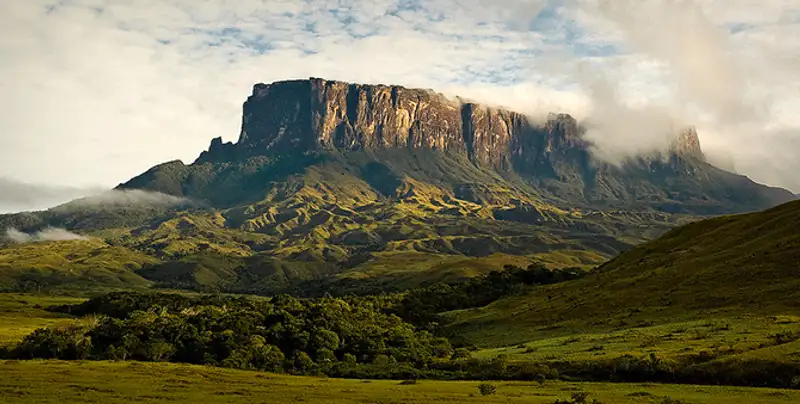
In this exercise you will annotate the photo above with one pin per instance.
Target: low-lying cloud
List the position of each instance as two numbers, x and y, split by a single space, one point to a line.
47 234
130 197
16 196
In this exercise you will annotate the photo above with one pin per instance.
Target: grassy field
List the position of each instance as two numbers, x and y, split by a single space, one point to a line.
43 382
20 314
725 338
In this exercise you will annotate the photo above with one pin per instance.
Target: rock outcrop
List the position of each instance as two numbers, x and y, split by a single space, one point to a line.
314 114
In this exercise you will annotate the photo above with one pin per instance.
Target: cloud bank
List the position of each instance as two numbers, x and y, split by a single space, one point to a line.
18 196
47 234
97 91
129 197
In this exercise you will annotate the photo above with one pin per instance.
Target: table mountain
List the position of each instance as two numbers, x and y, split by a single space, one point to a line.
400 186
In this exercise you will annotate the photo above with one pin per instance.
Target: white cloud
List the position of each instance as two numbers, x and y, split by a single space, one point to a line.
17 196
126 197
97 91
47 234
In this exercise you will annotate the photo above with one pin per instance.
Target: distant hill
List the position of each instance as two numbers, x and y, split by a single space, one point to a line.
738 265
331 179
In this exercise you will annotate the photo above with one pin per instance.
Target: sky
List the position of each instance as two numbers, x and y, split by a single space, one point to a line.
94 92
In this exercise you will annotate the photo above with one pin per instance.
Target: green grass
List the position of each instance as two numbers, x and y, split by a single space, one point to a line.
44 382
725 338
20 314
77 265
744 265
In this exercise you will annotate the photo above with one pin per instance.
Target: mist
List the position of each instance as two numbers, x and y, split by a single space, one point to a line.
21 197
47 234
128 197
677 65
18 196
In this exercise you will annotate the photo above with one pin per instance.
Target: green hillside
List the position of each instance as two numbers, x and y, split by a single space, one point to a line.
743 265
406 218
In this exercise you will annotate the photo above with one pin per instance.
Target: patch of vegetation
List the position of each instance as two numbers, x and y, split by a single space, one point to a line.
21 314
331 336
52 382
487 389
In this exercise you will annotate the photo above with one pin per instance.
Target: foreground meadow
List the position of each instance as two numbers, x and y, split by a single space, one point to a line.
43 382
50 381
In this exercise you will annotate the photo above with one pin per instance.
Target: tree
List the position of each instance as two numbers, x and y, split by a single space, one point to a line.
302 362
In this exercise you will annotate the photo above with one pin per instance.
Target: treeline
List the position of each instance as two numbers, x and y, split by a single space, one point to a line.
421 306
281 334
489 287
702 369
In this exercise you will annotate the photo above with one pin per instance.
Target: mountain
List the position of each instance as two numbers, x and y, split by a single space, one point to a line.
389 184
740 265
294 119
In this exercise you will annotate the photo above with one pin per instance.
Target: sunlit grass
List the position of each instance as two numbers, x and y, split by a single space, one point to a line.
20 314
725 337
43 382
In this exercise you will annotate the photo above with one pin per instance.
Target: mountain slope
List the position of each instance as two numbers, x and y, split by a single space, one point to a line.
742 265
328 178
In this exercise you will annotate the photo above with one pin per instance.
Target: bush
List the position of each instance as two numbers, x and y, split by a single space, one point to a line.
487 389
461 353
48 343
579 397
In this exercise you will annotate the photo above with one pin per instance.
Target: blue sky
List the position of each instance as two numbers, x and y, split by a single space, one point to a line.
125 85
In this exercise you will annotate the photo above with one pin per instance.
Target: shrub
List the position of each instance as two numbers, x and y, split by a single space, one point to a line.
301 362
487 389
579 397
48 343
462 353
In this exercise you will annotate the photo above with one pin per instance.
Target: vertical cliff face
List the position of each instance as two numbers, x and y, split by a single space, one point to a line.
351 116
317 114
687 143
277 117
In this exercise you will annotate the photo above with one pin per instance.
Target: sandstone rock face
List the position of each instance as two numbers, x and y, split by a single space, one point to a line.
319 114
688 143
